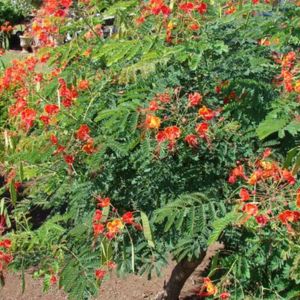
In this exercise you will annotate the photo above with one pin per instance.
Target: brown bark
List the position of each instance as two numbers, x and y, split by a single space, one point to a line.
184 269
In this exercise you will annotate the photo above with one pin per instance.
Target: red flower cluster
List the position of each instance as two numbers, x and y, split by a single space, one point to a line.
110 228
5 257
50 111
83 135
68 95
270 185
289 71
6 27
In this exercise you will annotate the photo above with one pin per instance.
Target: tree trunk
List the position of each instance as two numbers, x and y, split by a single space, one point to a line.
184 269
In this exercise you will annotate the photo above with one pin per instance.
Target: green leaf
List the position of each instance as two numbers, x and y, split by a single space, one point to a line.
220 224
147 230
270 126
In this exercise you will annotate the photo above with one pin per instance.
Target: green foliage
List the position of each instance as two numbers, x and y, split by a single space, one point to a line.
179 196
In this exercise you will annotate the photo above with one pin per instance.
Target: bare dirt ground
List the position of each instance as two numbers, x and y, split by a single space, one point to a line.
131 287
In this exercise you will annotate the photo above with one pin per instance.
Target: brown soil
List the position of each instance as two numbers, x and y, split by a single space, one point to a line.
132 287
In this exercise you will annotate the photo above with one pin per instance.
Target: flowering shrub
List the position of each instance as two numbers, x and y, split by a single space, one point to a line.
117 153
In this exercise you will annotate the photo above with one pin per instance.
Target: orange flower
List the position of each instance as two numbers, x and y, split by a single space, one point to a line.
152 122
250 209
297 87
114 226
208 288
83 85
298 198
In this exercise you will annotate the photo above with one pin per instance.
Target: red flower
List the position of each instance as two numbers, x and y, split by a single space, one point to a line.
192 140
28 116
98 228
267 153
128 218
82 133
237 172
53 139
65 3
53 279
195 98
244 194
202 129
202 8
51 109
103 202
153 105
45 120
289 216
187 7
225 296
69 159
97 215
288 176
262 220
5 243
194 26
100 274
60 149
161 137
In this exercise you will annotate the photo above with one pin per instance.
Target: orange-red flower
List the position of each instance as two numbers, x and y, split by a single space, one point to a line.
202 129
97 215
69 159
250 209
83 85
172 132
244 194
28 116
192 140
89 147
103 202
206 113
98 229
237 172
5 243
298 198
51 109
